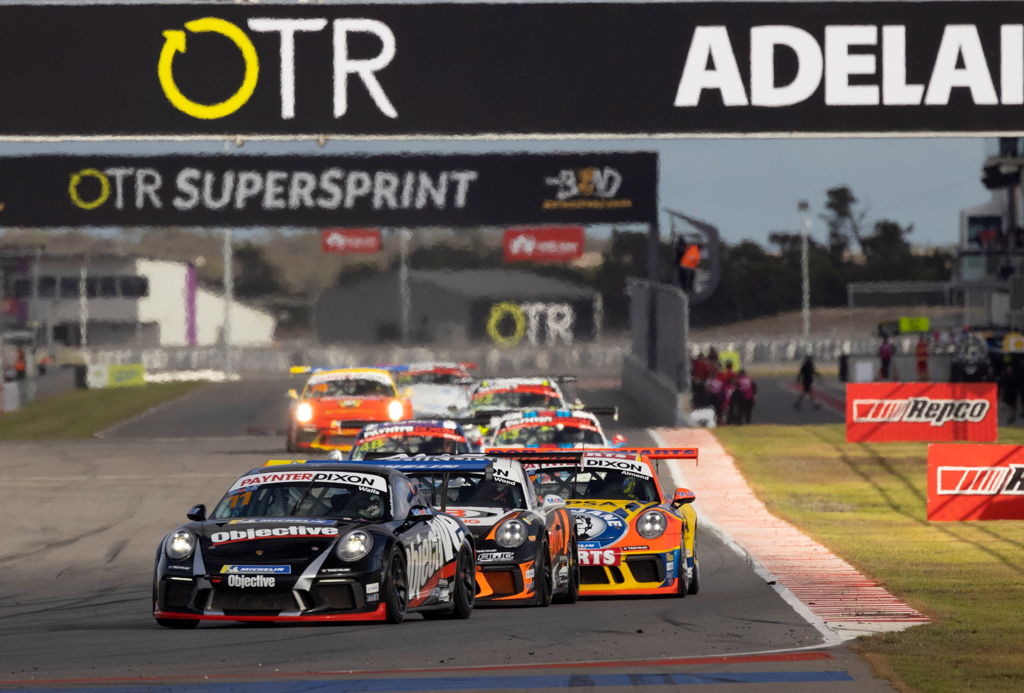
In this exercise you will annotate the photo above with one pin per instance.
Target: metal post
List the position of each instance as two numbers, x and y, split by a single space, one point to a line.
229 291
404 293
83 306
805 275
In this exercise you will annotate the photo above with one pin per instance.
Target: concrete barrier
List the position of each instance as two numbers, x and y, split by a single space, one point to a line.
654 394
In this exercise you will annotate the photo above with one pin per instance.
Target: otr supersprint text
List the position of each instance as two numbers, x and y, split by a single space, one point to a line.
364 69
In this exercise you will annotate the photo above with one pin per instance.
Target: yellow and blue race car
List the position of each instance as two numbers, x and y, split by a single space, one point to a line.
633 539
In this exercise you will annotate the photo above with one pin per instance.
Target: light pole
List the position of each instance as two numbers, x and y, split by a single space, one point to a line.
805 275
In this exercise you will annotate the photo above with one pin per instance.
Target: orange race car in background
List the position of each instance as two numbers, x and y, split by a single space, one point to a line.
335 404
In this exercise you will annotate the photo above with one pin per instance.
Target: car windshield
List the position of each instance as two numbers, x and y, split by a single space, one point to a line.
512 399
333 501
472 490
431 378
408 445
574 483
348 387
549 434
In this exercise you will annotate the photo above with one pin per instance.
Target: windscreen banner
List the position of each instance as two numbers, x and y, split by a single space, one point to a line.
975 482
928 412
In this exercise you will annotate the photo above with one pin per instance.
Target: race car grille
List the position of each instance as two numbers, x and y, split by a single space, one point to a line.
241 600
177 593
334 595
593 575
646 568
502 581
305 437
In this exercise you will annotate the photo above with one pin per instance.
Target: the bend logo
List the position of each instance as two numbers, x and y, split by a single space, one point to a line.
936 412
364 69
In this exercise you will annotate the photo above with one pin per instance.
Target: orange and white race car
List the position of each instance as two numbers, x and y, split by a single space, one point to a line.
633 539
335 404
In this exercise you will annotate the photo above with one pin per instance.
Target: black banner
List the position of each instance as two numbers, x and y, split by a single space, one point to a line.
387 190
478 69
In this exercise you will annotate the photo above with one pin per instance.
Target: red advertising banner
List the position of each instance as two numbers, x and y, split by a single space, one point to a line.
975 482
928 412
545 244
345 241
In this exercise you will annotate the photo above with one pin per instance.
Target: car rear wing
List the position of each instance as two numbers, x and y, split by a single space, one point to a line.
562 457
432 463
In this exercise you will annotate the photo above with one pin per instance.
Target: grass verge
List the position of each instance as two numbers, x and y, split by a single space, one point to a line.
83 413
867 502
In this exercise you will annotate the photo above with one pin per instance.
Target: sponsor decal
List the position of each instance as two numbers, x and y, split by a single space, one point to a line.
600 557
347 241
290 532
494 557
598 526
508 323
587 187
432 551
362 479
334 571
635 548
173 566
878 412
551 244
277 521
244 581
372 587
630 467
256 569
975 482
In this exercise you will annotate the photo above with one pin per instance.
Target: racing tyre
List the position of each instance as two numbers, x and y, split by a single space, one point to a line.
543 580
464 592
572 591
396 587
178 623
683 586
695 578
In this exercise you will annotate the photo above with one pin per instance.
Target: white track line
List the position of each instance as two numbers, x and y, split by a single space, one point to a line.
825 590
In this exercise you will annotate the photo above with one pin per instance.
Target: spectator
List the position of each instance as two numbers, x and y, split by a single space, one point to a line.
698 377
921 355
713 391
885 353
20 364
746 393
805 376
728 380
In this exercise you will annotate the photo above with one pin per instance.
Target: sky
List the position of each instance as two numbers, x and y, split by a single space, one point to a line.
747 188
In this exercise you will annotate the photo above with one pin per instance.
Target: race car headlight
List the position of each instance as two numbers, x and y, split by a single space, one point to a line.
395 410
354 545
304 412
510 534
180 545
651 524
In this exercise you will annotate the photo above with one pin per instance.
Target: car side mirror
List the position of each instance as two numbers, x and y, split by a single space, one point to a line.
619 439
682 497
420 513
293 394
197 513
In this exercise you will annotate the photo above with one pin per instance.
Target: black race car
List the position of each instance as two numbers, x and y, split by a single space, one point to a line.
315 541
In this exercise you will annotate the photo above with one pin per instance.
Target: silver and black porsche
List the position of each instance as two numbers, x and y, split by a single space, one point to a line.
315 541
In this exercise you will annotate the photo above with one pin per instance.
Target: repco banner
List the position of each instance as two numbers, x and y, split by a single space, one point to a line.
517 69
350 241
889 412
975 482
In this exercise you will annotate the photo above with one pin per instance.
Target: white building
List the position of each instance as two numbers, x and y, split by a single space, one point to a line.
127 301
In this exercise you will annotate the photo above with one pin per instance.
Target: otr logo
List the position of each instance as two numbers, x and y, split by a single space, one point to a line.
365 69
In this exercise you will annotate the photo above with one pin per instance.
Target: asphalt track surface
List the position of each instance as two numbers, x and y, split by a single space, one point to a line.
82 521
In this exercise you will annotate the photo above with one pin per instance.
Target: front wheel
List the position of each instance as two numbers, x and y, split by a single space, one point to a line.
695 578
543 584
464 593
683 582
396 588
572 590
